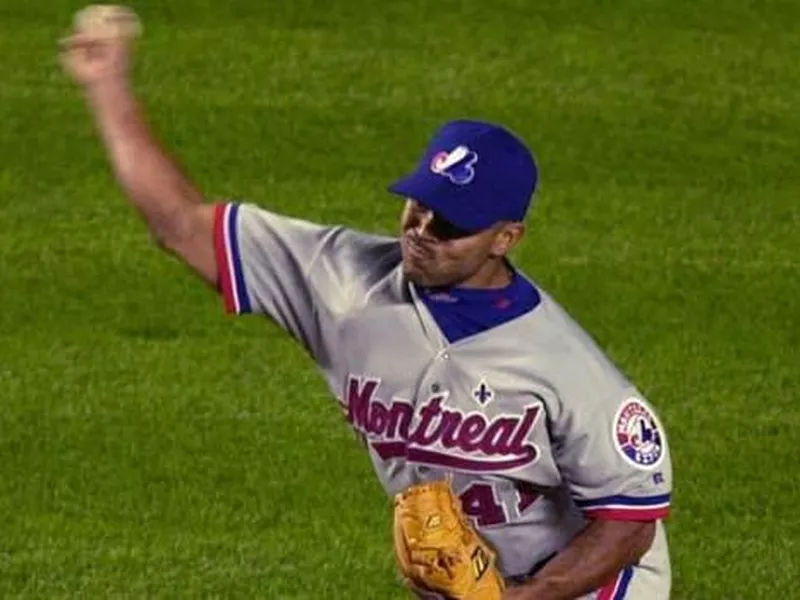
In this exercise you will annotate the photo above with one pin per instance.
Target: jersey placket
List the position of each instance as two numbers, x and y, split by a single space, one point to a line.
429 384
433 380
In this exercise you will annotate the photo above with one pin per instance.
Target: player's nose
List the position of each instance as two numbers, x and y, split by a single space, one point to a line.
424 222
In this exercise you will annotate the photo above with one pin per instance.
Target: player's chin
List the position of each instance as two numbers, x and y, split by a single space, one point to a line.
413 273
416 273
419 275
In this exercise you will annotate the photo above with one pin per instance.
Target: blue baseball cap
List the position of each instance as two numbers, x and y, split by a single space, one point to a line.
474 174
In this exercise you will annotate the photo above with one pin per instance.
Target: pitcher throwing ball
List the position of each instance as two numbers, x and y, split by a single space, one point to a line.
523 464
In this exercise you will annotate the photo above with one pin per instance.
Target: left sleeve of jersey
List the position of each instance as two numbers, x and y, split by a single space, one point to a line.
616 461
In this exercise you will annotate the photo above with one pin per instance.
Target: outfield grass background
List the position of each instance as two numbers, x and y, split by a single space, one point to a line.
152 446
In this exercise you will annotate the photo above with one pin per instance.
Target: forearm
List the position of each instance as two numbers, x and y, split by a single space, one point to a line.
151 179
591 560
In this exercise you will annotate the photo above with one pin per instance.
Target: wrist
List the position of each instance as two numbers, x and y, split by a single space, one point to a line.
108 89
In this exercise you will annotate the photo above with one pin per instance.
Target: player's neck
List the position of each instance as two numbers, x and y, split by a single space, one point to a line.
494 274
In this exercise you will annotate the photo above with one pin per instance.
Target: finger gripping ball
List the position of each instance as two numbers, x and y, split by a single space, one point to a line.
108 21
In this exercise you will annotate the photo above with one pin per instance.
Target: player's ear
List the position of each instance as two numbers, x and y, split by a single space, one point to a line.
507 236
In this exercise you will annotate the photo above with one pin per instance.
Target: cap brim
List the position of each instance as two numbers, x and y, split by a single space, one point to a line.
434 195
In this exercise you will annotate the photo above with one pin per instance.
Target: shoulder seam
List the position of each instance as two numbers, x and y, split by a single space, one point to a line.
334 230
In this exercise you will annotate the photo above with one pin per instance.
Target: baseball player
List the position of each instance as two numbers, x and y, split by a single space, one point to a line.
484 408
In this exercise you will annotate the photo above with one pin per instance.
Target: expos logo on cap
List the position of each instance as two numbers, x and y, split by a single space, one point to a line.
458 165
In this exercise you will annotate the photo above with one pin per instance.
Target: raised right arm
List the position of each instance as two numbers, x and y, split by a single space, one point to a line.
174 209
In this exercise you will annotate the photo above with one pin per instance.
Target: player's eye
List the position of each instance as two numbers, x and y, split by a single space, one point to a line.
444 230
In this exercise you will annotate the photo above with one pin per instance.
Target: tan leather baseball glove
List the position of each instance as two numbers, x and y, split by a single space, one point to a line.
438 549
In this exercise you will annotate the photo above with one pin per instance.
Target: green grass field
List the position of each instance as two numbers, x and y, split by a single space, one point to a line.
151 446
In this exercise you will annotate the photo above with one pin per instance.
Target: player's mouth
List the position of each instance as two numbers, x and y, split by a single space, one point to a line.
416 248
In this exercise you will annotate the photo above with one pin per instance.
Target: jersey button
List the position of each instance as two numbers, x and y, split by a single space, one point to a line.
445 356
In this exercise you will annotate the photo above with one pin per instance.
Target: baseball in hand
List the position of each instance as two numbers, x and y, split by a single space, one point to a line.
108 21
100 47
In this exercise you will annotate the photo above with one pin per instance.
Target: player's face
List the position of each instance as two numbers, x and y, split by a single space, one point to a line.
436 253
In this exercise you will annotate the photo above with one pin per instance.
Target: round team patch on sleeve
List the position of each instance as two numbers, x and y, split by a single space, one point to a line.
638 435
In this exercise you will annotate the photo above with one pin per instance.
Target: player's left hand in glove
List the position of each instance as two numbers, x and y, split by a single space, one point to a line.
438 549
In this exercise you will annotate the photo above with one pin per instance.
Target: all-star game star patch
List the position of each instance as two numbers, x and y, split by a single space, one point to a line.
638 434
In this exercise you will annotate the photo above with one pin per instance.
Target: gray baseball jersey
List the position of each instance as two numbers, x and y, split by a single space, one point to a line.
539 429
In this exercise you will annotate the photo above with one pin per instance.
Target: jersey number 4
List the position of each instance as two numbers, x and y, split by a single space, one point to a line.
480 502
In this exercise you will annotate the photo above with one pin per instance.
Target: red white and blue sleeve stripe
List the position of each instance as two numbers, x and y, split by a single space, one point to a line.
229 260
617 589
626 508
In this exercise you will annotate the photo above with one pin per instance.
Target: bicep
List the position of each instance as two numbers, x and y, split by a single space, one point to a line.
632 538
265 266
194 241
